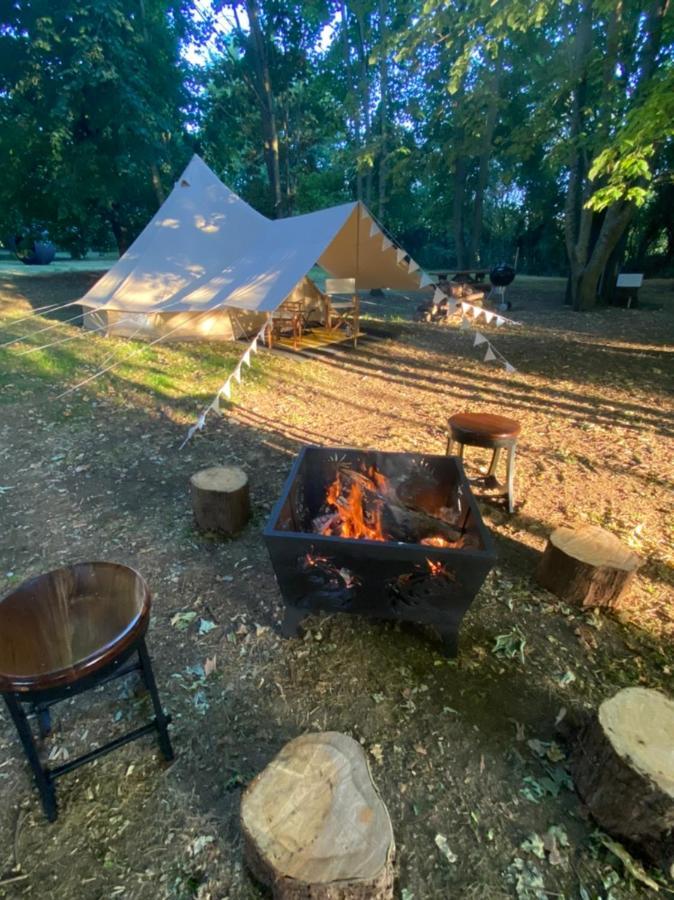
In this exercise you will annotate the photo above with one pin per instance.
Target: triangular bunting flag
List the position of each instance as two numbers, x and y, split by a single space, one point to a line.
374 229
488 316
226 389
253 346
499 321
386 243
364 214
489 355
465 324
237 373
400 255
246 357
201 421
438 295
452 305
412 266
479 339
425 280
477 311
215 405
510 369
465 307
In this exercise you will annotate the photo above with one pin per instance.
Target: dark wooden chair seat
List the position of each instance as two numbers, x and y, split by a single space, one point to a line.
493 433
59 627
66 632
483 429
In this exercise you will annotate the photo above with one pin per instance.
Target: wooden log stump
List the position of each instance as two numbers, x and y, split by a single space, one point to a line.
588 566
220 499
623 767
314 825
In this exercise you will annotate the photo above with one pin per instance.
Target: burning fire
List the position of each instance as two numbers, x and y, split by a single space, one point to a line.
354 521
435 540
437 568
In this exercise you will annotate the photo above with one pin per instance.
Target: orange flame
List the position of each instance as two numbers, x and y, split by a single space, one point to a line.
437 568
435 540
354 520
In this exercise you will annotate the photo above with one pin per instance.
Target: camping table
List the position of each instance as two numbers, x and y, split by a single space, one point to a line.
461 276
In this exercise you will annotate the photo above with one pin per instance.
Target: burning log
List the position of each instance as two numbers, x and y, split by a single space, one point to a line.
368 505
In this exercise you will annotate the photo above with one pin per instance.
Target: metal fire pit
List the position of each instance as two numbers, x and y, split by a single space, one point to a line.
387 579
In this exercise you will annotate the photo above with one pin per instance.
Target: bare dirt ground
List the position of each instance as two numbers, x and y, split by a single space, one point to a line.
464 748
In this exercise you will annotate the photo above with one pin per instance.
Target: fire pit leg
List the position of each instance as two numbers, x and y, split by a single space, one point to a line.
290 626
450 642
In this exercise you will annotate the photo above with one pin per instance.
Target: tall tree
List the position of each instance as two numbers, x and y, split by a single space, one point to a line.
90 113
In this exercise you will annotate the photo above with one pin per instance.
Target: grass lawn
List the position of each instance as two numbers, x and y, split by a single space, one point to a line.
464 748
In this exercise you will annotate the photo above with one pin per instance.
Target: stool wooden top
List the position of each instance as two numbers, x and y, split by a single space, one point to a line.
61 626
483 426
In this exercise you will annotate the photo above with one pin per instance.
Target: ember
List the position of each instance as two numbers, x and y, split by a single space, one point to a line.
435 540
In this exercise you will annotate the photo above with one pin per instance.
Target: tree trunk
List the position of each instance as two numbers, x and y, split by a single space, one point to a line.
154 168
365 101
615 222
383 109
483 168
267 107
119 229
353 101
458 212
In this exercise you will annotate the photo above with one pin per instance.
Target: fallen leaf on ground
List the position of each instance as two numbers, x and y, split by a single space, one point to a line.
443 847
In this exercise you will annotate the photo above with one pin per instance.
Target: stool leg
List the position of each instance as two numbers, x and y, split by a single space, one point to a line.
494 462
160 716
511 478
44 783
450 444
461 447
44 720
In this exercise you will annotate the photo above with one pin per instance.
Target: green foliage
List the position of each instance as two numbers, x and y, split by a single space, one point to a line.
459 124
90 100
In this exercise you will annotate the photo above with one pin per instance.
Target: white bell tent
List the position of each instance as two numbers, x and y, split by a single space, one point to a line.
208 266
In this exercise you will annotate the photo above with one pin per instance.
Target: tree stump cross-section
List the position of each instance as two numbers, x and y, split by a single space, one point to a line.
314 825
587 566
623 768
220 499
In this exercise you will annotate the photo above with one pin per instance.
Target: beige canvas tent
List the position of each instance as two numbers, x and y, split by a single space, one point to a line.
209 266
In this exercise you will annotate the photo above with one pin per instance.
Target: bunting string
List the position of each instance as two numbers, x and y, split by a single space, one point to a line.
491 353
225 389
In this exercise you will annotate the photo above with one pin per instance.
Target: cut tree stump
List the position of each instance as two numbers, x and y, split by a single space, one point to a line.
314 825
623 767
588 566
220 499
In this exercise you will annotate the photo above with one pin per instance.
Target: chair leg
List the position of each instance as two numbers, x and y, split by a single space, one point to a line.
160 716
44 783
511 478
494 462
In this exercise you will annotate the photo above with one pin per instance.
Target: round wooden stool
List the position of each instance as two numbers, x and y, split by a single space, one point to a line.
63 633
493 432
